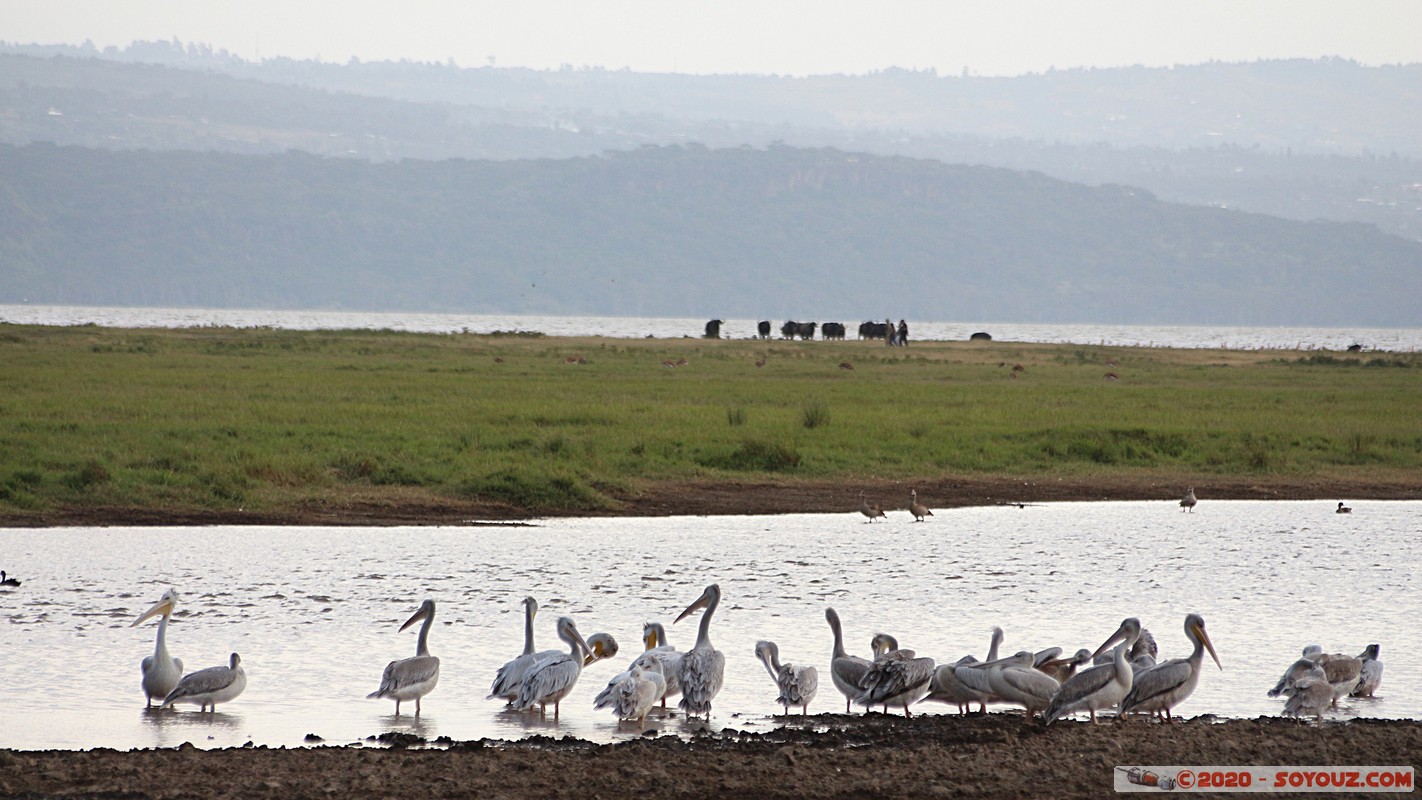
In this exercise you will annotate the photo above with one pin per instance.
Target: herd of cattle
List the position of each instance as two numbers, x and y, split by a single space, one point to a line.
829 330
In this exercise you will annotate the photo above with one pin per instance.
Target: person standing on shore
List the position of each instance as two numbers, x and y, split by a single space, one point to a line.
889 336
903 333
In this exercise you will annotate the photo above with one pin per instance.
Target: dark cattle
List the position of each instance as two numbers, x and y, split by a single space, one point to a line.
832 330
873 330
980 337
806 330
787 331
764 329
713 329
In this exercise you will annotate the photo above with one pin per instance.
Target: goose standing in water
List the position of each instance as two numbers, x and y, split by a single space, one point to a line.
412 678
870 511
551 679
845 670
919 510
510 676
1165 685
161 671
208 687
1187 503
703 667
797 684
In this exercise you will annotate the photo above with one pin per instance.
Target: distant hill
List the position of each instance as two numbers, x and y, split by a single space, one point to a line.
780 232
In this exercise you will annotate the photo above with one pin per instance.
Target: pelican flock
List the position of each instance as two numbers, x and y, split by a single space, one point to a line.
161 671
411 678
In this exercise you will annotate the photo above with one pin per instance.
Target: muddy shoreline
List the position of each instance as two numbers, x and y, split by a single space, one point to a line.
829 756
708 498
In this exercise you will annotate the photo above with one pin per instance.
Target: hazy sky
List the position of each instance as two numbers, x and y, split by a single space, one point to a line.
788 37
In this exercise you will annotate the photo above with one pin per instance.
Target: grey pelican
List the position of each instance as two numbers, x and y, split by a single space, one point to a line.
919 510
895 678
1372 671
947 688
1102 686
1342 509
797 684
510 676
1062 669
1343 672
1017 681
636 693
845 670
1285 684
869 511
14 583
600 646
1311 690
658 656
703 667
414 677
160 670
973 676
1187 503
551 679
1166 684
208 687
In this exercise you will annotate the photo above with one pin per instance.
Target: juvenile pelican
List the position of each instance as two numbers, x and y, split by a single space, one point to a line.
895 678
1062 669
1167 684
160 670
1016 681
510 676
947 688
551 679
414 677
797 684
703 666
636 693
869 511
1311 690
1187 503
1371 676
1099 687
14 583
845 670
1343 672
658 656
208 687
919 510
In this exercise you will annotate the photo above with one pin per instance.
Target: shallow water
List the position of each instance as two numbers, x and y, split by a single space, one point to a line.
314 611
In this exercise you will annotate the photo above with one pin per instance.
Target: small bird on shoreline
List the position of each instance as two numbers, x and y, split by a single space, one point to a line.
1187 503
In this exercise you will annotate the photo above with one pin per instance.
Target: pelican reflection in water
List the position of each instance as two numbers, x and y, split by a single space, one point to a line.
414 677
161 671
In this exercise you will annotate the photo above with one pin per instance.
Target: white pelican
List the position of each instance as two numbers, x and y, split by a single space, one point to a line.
208 687
1102 686
15 583
1311 690
797 684
703 667
845 670
947 688
635 694
1165 685
973 676
1061 669
414 677
869 511
1371 676
658 656
895 678
1187 503
160 670
600 646
510 676
919 510
1017 681
1342 509
551 679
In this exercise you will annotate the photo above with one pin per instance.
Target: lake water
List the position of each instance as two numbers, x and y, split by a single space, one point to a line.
314 611
1239 338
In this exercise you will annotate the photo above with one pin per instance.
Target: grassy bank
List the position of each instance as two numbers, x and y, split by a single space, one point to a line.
267 420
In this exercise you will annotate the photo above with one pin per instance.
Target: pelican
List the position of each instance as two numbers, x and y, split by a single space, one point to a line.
1342 509
638 692
600 646
919 510
1343 672
1061 669
1371 676
414 677
895 678
551 679
1099 687
869 511
15 583
208 687
510 676
845 670
1187 503
1166 684
1311 691
797 684
973 676
1285 684
160 670
947 688
658 656
703 667
1016 681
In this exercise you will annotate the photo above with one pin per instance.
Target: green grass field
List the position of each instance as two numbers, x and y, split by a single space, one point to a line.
218 418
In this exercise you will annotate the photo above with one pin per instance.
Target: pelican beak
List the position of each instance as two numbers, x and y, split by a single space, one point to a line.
163 606
1118 636
701 602
416 617
1205 637
588 656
